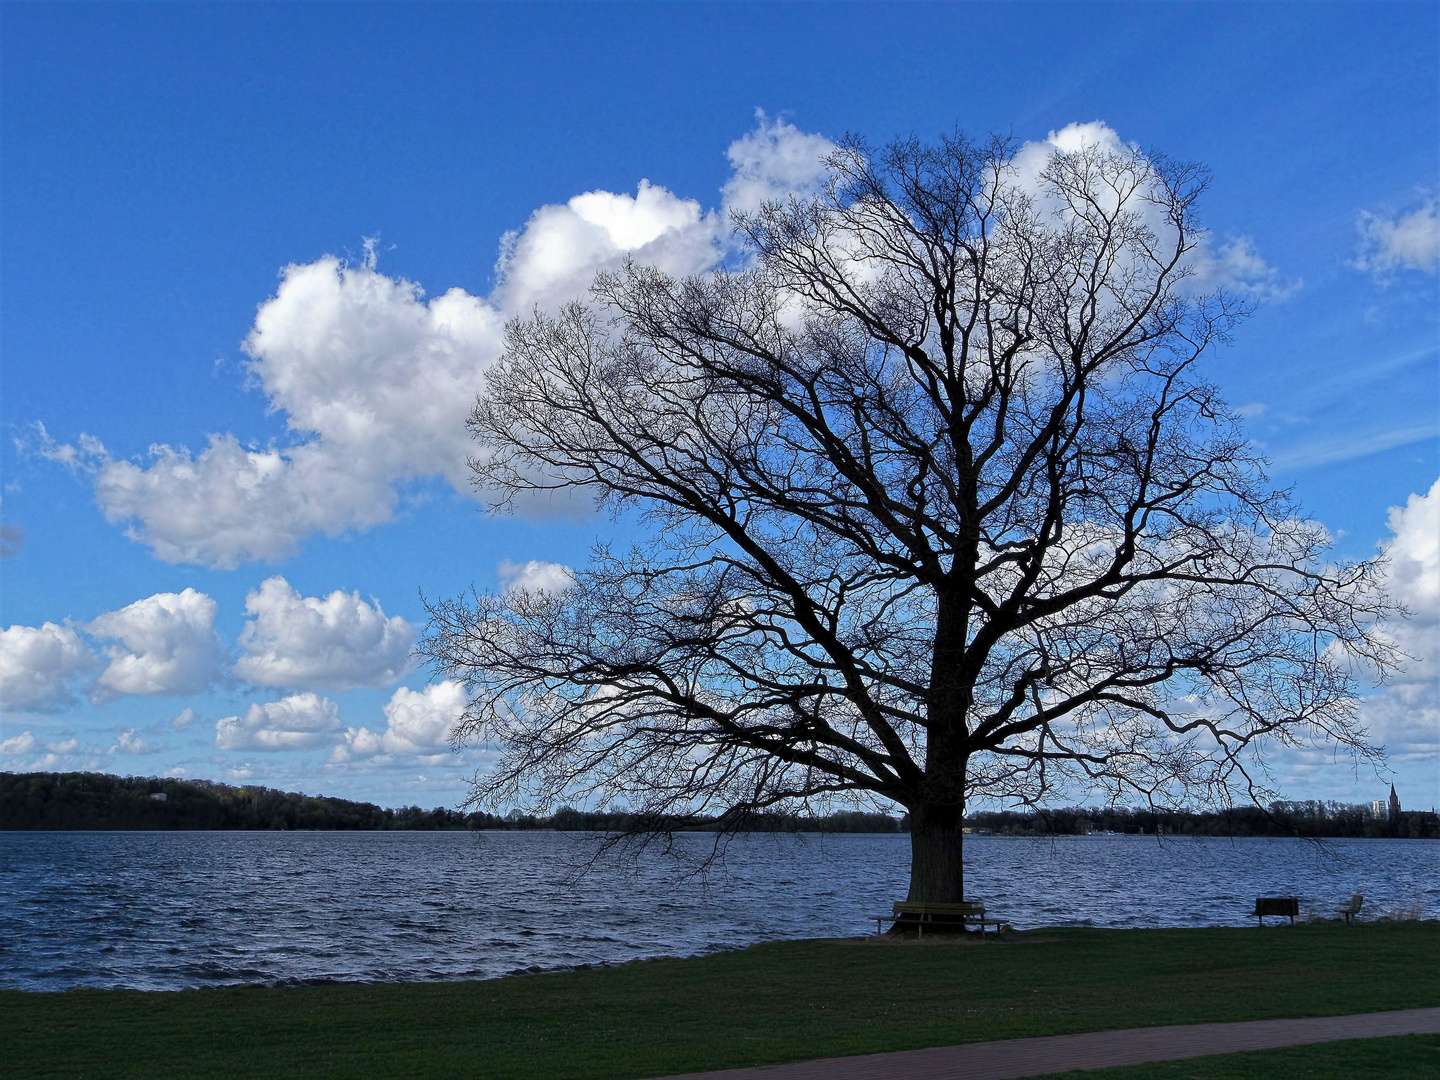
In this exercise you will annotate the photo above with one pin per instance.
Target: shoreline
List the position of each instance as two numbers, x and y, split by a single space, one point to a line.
1032 936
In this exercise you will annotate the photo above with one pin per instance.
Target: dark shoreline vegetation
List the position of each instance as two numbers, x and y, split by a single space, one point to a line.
780 1001
100 801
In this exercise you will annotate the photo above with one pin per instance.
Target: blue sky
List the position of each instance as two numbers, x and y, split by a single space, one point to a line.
163 164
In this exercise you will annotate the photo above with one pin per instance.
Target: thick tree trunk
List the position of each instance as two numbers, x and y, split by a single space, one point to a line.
937 840
938 810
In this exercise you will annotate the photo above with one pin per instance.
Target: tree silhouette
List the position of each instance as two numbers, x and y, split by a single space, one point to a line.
938 506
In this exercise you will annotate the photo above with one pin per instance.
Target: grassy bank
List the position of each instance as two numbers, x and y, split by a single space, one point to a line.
776 1002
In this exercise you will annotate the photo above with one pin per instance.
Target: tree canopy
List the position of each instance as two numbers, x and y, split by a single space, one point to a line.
939 503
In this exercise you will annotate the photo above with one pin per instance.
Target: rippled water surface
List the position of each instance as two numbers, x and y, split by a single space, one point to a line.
166 910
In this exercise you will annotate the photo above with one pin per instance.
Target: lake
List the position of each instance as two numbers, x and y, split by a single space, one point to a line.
169 910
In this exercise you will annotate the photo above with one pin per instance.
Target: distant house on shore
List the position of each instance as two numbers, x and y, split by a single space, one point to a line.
158 796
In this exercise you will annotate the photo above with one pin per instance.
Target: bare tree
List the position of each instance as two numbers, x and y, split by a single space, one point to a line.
939 508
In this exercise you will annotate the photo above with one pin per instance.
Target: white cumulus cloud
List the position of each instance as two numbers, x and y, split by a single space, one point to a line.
1405 715
26 744
535 576
1414 552
297 722
375 381
1235 265
38 665
366 363
418 723
338 642
230 504
1238 266
772 163
130 742
16 745
562 247
167 645
1408 242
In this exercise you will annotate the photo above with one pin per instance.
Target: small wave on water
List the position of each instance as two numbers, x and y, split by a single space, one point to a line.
161 911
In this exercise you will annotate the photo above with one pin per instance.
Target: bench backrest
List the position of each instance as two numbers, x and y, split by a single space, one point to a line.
1355 904
1277 905
917 907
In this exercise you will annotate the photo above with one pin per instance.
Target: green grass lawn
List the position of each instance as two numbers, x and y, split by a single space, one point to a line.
1414 1057
776 1002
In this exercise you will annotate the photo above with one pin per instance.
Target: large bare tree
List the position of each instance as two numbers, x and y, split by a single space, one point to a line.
938 507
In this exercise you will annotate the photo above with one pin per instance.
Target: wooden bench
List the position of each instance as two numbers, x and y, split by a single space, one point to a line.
966 913
1351 909
1276 905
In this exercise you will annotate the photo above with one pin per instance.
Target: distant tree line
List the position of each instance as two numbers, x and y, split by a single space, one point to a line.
1312 818
101 801
32 801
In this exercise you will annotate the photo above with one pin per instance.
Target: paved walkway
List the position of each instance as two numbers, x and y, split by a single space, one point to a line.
1009 1059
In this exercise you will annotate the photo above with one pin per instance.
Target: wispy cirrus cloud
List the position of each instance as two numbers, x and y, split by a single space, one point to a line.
1349 446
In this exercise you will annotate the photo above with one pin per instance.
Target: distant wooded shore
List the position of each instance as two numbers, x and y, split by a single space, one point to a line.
100 801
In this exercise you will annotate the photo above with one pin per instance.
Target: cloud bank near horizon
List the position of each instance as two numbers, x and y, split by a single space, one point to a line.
307 646
166 645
